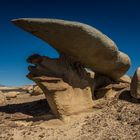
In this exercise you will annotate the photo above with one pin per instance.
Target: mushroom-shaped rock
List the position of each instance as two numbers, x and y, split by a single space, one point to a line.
135 85
84 43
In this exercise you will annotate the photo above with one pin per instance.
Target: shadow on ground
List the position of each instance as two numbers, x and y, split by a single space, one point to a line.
40 110
34 108
126 96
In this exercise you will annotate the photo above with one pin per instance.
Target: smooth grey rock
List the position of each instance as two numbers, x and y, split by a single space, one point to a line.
84 43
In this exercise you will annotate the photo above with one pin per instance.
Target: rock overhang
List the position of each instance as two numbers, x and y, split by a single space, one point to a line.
88 45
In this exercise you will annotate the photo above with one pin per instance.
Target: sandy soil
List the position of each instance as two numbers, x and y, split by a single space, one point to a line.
28 117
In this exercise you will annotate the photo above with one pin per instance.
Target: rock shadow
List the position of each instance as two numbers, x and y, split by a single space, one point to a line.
125 95
34 108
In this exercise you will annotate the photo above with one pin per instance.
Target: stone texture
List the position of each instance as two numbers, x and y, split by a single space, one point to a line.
36 91
84 43
69 82
2 98
125 79
27 88
11 94
121 65
135 84
63 99
111 90
66 84
91 73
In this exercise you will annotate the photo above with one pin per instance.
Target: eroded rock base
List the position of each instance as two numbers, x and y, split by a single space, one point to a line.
66 84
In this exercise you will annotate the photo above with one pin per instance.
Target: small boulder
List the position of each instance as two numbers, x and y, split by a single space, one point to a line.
135 85
10 95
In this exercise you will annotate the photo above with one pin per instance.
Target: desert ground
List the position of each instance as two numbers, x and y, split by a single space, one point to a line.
28 117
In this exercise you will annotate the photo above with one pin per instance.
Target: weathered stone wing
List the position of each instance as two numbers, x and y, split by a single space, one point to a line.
86 44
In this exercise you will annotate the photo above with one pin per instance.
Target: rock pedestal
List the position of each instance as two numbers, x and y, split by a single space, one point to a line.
66 84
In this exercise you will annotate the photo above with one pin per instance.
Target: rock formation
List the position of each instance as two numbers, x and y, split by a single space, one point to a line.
67 82
86 44
67 86
135 84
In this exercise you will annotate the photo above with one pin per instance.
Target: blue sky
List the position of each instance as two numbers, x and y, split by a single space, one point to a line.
118 19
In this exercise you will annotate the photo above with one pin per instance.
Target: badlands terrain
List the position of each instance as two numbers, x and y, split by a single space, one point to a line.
25 115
